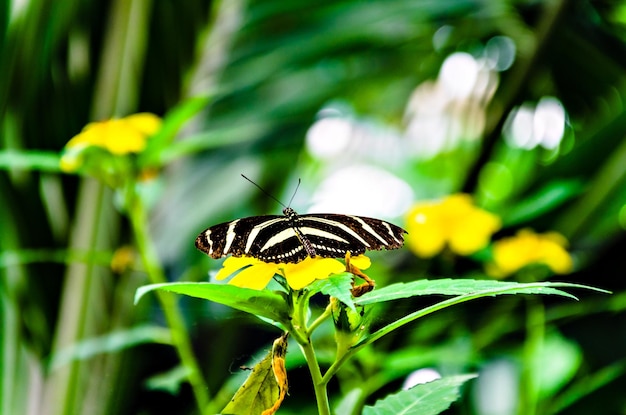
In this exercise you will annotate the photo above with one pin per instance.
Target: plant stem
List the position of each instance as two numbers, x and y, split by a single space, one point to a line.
535 332
319 320
321 395
173 315
301 334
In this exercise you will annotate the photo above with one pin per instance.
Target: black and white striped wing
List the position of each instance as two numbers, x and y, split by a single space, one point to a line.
331 235
291 238
270 238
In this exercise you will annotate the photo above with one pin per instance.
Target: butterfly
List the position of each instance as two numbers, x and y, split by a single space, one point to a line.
291 238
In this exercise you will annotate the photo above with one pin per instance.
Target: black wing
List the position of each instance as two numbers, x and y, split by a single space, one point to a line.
291 238
333 235
269 238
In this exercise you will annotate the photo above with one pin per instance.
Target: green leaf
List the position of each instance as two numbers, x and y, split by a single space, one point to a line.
175 119
465 287
268 304
266 387
585 386
170 381
426 399
546 199
463 290
258 392
338 286
230 135
109 343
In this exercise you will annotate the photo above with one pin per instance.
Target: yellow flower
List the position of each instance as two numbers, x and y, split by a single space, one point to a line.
123 259
454 221
527 247
256 274
118 136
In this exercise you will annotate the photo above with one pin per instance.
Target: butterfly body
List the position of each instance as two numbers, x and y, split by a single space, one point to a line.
292 237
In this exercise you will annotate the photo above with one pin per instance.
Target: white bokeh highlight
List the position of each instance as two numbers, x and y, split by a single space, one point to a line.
420 377
542 125
362 190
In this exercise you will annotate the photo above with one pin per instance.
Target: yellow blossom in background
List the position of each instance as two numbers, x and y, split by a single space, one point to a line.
119 136
256 274
123 258
527 247
454 222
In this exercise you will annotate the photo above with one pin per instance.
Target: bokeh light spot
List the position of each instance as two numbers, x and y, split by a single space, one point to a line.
363 190
519 132
441 37
542 125
458 74
500 52
420 377
328 137
549 122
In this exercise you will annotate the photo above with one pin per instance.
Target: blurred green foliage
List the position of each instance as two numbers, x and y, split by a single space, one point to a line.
239 85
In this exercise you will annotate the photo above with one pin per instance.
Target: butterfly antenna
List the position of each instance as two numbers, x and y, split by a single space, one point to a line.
265 191
294 193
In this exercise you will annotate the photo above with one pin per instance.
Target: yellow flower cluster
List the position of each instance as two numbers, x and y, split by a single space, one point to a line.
256 274
527 247
118 136
454 222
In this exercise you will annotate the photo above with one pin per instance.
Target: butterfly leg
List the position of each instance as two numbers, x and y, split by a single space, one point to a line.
367 286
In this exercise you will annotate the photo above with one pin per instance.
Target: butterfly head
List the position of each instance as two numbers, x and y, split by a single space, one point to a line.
290 213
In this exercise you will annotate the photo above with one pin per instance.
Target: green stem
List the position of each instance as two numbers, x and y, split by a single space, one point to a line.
173 315
301 334
535 332
321 395
319 320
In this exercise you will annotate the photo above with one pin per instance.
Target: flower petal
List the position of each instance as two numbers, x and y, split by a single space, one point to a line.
144 122
474 232
119 136
525 248
256 276
123 138
361 261
233 264
91 135
304 273
455 221
554 254
426 234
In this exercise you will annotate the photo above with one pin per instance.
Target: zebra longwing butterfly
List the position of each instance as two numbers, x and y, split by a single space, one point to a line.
292 237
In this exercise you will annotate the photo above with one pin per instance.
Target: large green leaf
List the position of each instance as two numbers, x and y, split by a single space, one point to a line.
461 290
426 399
465 287
268 304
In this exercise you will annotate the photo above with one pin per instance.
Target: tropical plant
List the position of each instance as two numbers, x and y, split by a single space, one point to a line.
492 131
